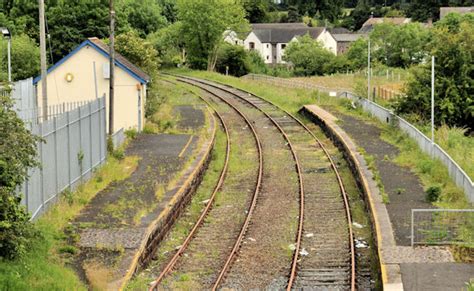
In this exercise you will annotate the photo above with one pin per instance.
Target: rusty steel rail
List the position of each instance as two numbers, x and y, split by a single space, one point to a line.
333 166
167 269
175 258
300 182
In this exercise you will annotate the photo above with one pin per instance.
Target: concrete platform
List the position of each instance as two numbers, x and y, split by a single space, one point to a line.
121 226
401 266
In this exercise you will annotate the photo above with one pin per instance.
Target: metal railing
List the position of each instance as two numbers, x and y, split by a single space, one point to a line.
442 226
74 145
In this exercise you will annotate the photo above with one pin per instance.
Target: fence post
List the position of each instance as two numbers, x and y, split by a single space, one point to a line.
68 128
81 168
56 172
41 168
90 136
412 228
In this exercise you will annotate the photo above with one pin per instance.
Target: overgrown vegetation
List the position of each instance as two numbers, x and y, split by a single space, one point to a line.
17 155
43 265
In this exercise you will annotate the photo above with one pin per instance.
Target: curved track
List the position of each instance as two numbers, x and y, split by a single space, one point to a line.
330 271
171 264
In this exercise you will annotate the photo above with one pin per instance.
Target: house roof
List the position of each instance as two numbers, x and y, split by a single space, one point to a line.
283 32
379 20
338 30
461 10
102 48
347 37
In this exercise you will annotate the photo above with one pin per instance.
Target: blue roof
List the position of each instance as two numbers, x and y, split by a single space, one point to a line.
141 77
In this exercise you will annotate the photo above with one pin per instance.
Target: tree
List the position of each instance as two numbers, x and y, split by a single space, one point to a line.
357 54
256 10
327 9
24 57
233 58
203 24
421 10
143 16
72 22
308 56
293 15
138 51
169 44
17 154
454 105
169 10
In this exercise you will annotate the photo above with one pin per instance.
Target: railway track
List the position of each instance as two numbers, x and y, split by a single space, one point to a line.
249 209
324 255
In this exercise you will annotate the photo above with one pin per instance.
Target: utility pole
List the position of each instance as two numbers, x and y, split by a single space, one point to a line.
432 97
112 67
9 53
44 74
368 71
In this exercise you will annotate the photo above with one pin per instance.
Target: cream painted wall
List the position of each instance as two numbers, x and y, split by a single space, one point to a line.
328 41
82 87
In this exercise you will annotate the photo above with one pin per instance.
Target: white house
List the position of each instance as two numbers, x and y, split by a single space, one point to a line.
271 39
231 37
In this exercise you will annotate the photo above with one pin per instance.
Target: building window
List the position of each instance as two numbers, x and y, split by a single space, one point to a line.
251 45
268 57
283 46
267 45
236 42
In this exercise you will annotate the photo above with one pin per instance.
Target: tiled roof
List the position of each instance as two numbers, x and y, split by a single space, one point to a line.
283 32
347 37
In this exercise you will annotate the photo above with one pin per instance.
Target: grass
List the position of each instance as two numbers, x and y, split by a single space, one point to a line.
44 266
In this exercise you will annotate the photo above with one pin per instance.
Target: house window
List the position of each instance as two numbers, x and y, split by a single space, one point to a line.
251 45
283 46
268 57
268 45
236 42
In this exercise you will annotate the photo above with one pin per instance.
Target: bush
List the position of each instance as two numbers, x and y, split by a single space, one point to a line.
433 193
15 227
308 56
255 63
131 133
233 57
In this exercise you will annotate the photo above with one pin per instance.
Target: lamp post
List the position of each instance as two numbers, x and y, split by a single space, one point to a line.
432 97
6 34
368 70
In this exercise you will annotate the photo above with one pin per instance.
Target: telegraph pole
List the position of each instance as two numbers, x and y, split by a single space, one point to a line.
432 97
111 70
44 74
368 71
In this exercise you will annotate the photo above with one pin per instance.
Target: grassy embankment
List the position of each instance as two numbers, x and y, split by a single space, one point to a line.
431 172
44 266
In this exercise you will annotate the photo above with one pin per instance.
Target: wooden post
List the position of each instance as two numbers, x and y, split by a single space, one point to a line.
112 67
44 74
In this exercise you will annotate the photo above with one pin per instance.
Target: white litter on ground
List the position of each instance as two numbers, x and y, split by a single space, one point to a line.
309 234
358 225
303 252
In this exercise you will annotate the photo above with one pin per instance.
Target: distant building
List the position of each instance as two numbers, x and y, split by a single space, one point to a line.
344 41
271 39
83 75
443 11
232 38
369 25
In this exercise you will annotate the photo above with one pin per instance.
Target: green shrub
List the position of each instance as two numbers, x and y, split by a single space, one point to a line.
15 227
118 154
131 133
433 193
233 58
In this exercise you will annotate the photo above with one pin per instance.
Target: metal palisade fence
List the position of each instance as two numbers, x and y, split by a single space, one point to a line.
457 174
74 145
